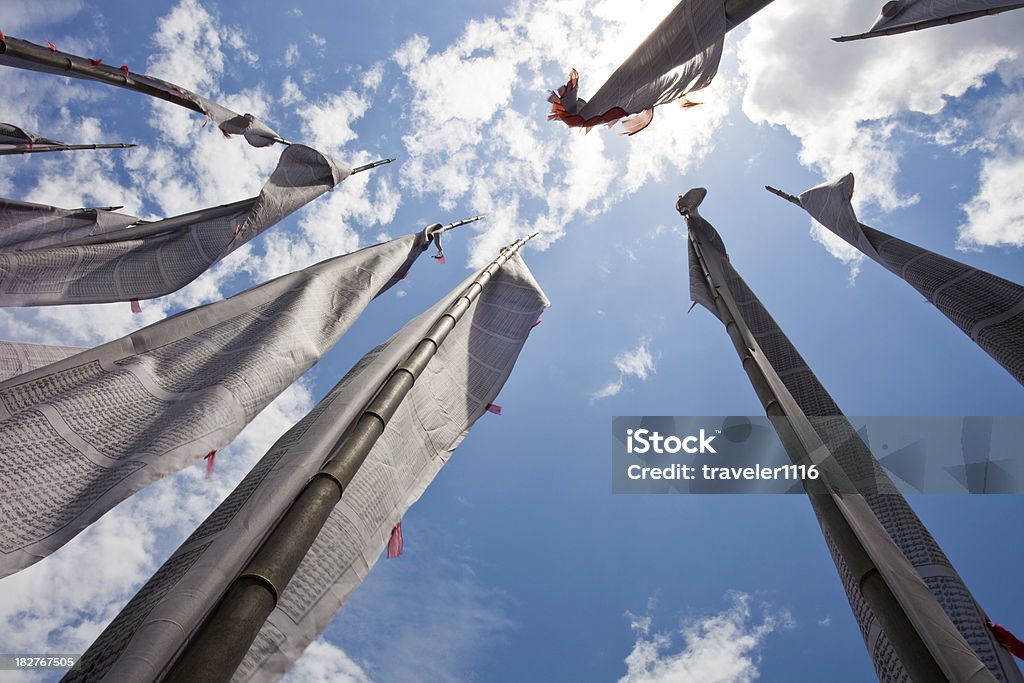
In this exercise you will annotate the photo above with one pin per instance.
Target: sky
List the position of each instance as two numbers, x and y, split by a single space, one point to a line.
519 562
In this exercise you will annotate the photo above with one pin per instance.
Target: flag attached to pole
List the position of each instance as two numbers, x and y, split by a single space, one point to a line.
149 260
925 588
901 16
23 54
452 392
987 308
110 420
679 57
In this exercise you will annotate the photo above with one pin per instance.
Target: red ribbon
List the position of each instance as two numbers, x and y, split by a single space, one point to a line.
494 408
534 325
136 308
395 542
209 463
1006 639
53 48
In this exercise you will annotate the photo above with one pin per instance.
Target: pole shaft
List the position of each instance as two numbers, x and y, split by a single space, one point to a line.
792 199
911 649
62 148
220 644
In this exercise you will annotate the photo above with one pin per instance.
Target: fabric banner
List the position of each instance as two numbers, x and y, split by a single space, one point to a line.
23 54
25 226
17 358
679 57
12 136
881 503
989 309
465 376
901 16
80 435
154 259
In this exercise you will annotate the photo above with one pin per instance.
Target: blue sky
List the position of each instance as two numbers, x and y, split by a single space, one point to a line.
519 562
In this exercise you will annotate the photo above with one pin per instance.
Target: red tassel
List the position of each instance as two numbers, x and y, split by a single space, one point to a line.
440 260
3 37
125 69
95 62
692 306
1006 639
209 463
494 408
136 308
53 48
395 542
534 325
404 275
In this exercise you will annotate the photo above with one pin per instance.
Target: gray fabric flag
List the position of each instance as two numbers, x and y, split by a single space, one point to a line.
25 226
80 435
458 384
680 56
12 136
989 309
17 358
881 502
154 259
901 16
23 54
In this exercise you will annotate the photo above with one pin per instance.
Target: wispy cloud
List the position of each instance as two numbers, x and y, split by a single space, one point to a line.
721 648
637 363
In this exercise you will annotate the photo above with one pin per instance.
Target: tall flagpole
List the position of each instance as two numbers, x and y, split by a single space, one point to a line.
220 644
924 639
987 308
36 149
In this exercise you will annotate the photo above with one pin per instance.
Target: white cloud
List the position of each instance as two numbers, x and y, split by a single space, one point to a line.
636 362
290 92
861 89
319 41
611 389
291 55
721 648
325 663
995 215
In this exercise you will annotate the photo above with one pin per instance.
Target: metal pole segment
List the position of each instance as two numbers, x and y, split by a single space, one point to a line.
144 229
956 19
804 446
457 224
44 57
375 164
738 11
220 644
63 148
785 195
